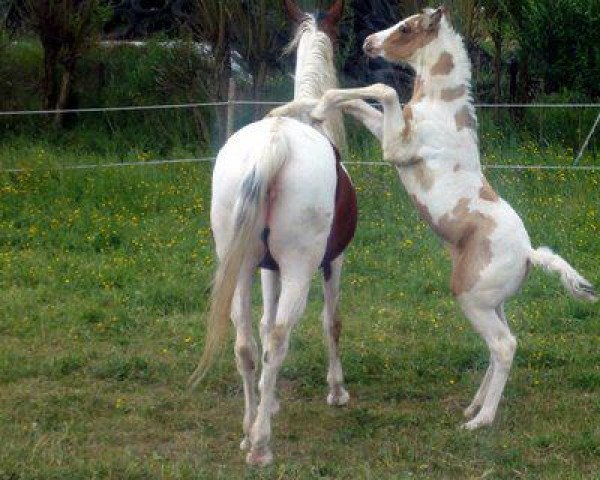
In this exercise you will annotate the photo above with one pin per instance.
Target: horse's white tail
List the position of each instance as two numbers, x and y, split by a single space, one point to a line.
576 285
264 165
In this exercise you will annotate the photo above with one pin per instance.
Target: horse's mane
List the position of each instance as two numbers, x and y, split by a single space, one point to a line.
317 73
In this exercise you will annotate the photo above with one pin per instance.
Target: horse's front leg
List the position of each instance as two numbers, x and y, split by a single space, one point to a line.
299 109
369 116
393 120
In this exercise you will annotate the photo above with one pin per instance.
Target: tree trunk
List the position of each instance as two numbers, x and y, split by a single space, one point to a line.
523 86
222 74
65 92
497 39
50 62
222 82
258 83
513 70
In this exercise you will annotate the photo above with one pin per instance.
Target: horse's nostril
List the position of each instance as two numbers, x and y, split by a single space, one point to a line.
369 47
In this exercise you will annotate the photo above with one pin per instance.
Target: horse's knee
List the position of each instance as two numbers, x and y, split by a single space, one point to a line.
276 342
245 358
503 349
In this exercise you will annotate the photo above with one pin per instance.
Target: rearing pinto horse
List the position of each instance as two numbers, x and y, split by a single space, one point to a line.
281 200
433 144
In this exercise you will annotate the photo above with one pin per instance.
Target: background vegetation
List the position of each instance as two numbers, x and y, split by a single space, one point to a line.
522 51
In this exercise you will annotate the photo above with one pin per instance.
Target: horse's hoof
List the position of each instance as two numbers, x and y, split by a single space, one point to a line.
470 411
245 444
477 422
260 457
338 398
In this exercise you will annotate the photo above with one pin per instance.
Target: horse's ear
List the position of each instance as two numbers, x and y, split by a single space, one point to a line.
436 17
335 13
293 11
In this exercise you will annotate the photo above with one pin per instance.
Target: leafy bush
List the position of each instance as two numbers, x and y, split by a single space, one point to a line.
561 39
109 77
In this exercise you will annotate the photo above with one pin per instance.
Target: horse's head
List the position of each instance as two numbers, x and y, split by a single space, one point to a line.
405 40
326 21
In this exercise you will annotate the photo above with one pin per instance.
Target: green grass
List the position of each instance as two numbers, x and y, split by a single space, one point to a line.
105 278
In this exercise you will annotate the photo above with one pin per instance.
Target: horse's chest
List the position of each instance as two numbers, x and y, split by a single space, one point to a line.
343 226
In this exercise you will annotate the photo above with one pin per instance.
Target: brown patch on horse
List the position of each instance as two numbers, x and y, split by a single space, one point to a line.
413 35
464 119
407 113
345 217
336 327
245 358
424 176
457 167
486 192
468 234
423 210
421 172
444 65
418 92
451 94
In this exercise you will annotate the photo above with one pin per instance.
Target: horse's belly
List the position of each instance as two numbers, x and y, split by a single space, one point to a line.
344 220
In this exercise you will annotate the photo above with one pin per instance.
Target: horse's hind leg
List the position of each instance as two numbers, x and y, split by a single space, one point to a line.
270 292
502 345
470 411
246 351
477 402
292 301
332 326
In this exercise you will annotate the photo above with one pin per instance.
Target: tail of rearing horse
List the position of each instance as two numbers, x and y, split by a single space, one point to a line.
575 284
248 214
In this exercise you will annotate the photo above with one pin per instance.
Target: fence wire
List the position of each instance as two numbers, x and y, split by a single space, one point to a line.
171 106
131 108
212 159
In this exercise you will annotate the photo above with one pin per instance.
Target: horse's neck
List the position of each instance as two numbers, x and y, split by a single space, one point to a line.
443 80
443 70
315 74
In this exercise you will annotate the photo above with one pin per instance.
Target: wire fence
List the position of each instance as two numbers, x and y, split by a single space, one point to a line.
212 159
233 103
169 106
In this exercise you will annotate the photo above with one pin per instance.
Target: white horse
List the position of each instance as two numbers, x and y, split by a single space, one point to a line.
433 143
281 200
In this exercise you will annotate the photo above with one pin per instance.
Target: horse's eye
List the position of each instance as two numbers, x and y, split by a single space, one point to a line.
405 28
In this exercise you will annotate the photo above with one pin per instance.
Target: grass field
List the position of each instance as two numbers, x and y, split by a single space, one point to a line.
105 277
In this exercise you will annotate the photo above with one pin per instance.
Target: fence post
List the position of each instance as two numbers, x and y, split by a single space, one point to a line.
587 140
230 108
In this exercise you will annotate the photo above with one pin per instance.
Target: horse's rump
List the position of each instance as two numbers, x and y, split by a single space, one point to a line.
343 225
